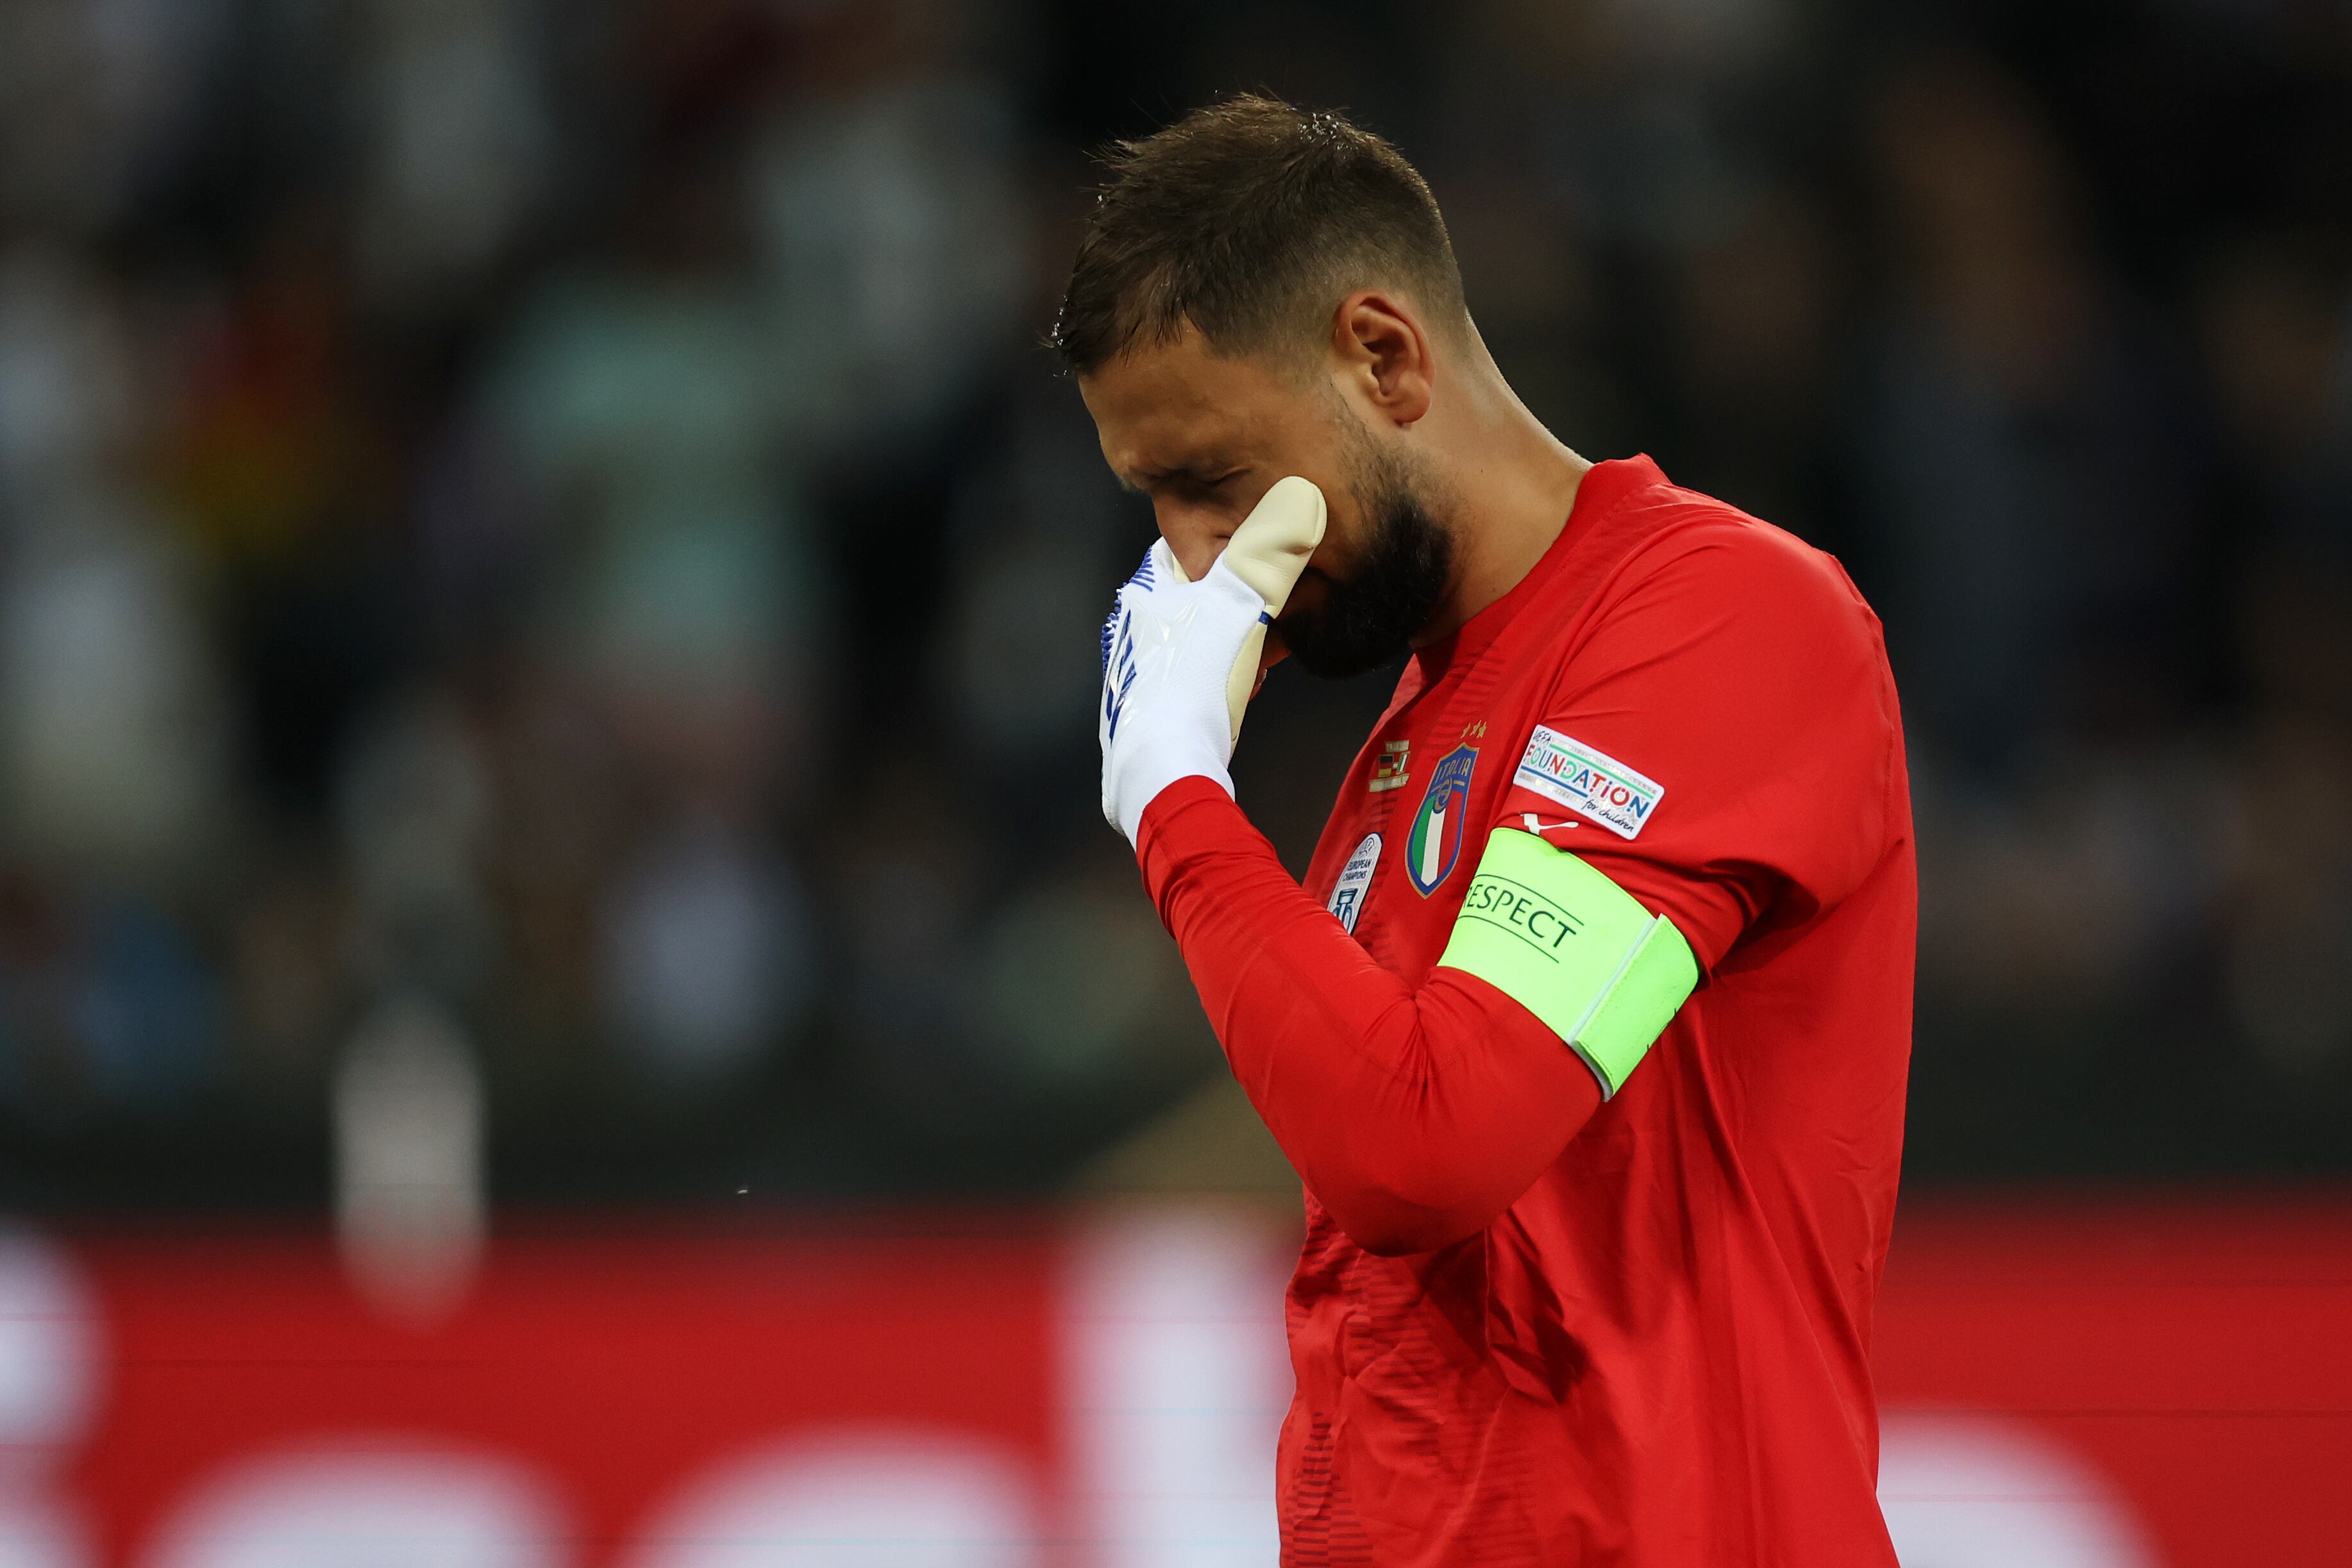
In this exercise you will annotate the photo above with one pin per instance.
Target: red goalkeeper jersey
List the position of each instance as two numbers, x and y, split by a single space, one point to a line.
1564 1329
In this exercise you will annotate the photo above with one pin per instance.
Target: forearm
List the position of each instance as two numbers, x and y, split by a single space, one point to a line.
1414 1116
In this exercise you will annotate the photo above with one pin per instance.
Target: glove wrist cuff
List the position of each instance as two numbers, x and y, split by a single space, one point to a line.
1148 778
1191 817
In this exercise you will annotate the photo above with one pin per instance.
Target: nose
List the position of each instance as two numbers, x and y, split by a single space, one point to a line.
1193 538
1203 555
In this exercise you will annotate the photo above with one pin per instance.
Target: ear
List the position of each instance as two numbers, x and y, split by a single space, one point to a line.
1385 354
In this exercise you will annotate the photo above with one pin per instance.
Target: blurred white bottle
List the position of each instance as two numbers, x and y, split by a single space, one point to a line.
52 1355
1178 1376
410 1205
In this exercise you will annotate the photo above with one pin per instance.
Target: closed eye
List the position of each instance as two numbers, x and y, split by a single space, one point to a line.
1192 480
1210 488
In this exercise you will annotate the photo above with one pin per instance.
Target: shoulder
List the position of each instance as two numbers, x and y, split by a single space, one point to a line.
1721 620
1700 544
1703 565
1735 668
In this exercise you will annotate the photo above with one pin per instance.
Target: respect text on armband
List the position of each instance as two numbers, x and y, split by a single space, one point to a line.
1533 918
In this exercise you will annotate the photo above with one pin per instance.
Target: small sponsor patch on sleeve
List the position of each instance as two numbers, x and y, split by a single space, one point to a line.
1393 766
1592 784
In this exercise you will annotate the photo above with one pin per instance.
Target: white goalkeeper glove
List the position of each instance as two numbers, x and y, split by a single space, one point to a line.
1180 658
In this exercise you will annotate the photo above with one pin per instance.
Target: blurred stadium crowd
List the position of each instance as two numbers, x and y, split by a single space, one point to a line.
545 522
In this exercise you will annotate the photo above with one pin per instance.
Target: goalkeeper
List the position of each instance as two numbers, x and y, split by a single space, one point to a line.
1588 1034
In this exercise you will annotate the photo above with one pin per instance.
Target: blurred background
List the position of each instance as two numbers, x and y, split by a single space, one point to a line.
547 600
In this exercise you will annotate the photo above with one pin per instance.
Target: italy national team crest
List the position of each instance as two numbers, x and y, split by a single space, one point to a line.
1438 827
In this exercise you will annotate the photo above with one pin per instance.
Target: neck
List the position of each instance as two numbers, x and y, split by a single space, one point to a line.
1513 484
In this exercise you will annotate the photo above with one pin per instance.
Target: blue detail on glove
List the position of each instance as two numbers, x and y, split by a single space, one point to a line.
1122 658
1118 650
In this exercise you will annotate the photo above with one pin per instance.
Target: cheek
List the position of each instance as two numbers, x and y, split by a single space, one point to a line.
1343 524
1335 556
1309 598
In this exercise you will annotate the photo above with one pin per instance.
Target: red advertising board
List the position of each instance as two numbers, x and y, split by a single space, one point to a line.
2193 1357
2067 1386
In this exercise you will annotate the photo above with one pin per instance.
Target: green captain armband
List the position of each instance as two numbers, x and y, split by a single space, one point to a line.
1573 948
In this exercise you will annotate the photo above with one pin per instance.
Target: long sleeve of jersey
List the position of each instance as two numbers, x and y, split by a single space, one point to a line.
1415 1115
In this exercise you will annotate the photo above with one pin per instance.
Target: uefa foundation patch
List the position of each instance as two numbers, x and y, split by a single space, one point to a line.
1592 784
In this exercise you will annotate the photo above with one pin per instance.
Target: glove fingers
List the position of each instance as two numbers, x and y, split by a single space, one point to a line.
1270 549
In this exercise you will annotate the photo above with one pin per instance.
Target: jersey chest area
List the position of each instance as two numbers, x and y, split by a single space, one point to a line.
1411 819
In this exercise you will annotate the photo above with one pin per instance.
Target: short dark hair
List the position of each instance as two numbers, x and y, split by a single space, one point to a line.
1250 219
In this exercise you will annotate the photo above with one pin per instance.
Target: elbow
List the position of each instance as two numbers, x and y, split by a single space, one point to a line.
1397 1195
1389 1223
1406 1241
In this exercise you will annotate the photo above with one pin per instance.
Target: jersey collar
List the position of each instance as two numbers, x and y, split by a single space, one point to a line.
1605 486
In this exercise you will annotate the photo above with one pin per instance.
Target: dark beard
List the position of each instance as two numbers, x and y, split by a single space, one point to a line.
1369 619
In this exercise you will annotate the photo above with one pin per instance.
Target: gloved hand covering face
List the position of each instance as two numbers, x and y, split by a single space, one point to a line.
1180 658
